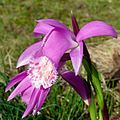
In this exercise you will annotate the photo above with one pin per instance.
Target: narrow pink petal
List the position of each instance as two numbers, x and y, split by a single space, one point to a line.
57 44
27 94
79 84
76 57
19 77
32 103
24 84
46 25
96 28
28 53
42 97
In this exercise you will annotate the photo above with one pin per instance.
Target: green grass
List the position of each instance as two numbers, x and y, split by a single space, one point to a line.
17 21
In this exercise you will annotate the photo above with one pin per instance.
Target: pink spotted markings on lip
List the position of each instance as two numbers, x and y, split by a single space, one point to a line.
42 72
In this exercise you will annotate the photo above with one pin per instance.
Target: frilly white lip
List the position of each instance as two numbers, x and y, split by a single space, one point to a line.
42 72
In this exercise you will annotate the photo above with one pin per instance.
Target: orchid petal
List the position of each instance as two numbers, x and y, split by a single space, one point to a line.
46 25
28 53
57 44
42 97
16 80
24 84
27 94
79 84
76 57
95 28
32 102
53 22
42 28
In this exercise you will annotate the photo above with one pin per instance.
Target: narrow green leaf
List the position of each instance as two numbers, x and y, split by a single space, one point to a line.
93 110
97 85
94 78
100 115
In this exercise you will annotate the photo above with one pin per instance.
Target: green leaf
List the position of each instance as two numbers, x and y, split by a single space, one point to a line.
93 110
97 86
100 115
94 77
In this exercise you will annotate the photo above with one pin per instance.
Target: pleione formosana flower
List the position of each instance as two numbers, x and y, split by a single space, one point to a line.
46 58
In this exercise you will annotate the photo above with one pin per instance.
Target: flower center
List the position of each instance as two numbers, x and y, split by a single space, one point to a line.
42 72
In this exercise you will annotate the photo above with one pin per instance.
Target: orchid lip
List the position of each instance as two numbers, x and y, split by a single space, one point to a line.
42 72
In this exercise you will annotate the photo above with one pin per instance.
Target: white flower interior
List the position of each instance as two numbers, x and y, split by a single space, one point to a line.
42 72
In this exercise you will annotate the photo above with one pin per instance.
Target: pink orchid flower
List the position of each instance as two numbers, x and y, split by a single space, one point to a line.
46 58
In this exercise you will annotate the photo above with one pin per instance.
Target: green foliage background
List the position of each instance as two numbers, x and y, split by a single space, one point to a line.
17 21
